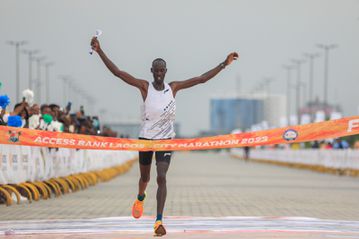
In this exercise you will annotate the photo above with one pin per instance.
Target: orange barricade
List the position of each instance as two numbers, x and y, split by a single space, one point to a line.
301 133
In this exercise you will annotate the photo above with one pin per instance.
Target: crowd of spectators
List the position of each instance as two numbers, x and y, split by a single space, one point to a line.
337 143
51 117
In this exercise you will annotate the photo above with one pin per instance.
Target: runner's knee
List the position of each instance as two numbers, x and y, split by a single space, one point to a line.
161 180
145 178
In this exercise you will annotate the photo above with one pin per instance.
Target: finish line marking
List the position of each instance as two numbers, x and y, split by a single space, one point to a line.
180 224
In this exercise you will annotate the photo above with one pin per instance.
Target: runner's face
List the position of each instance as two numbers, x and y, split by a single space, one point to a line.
159 72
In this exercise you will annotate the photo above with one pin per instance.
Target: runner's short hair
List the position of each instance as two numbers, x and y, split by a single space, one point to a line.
158 61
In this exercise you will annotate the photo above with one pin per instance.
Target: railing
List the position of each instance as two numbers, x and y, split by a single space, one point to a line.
333 161
34 172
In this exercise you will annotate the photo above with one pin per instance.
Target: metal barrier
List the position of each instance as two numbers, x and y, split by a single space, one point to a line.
343 162
37 172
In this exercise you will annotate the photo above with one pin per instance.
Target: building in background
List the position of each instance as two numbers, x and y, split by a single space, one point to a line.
312 107
244 111
232 113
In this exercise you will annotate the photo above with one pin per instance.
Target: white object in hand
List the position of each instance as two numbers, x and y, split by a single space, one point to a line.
29 96
97 34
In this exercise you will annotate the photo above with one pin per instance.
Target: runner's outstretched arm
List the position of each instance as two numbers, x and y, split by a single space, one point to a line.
179 85
126 77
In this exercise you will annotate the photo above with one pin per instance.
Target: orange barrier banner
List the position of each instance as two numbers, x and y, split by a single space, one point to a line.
293 134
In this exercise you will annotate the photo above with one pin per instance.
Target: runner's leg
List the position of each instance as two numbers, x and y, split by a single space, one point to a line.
162 163
145 159
145 170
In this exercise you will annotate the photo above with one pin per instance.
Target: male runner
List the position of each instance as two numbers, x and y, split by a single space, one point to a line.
158 115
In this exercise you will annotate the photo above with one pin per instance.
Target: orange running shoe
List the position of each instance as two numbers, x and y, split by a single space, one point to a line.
137 208
159 229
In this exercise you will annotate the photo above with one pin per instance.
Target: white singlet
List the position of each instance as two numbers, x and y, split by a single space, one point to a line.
158 114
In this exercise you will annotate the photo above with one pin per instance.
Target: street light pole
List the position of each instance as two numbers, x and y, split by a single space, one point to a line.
297 86
266 85
304 94
92 102
77 93
326 49
17 45
31 55
70 84
311 57
86 100
289 69
65 79
38 80
47 82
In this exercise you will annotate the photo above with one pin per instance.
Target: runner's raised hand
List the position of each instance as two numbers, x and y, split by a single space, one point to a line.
95 44
232 56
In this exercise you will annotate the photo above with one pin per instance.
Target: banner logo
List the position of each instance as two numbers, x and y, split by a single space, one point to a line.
14 136
290 135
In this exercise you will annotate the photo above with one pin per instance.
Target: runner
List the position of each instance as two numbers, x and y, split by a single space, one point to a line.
158 115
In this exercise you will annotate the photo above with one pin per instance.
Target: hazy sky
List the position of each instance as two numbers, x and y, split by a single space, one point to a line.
193 36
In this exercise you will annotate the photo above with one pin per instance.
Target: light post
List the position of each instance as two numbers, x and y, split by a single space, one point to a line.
326 49
17 45
311 57
258 88
78 94
92 102
47 82
266 84
65 79
297 86
72 96
87 101
31 56
288 69
38 80
304 94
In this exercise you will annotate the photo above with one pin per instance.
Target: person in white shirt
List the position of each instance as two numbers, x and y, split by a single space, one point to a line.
34 120
158 115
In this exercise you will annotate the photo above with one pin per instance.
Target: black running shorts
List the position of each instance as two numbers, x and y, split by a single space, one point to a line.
145 158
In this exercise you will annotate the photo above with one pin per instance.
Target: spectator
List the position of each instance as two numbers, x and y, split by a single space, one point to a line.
328 145
3 117
45 109
356 145
51 117
340 144
46 118
246 150
35 116
315 145
4 102
55 111
22 110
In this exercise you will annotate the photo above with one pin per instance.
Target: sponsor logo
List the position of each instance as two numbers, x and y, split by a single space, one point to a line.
165 91
14 136
290 135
